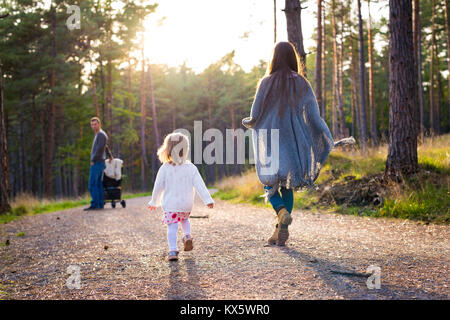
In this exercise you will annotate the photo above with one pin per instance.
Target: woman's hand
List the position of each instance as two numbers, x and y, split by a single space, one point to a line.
152 208
210 205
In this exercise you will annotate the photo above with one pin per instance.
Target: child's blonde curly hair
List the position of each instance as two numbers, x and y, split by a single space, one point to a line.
175 149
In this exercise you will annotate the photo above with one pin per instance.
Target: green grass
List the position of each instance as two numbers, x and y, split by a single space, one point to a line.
429 203
32 206
235 197
58 206
22 210
436 160
341 165
226 194
136 195
305 199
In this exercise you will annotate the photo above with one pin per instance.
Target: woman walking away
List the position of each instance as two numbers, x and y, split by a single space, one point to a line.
175 183
291 141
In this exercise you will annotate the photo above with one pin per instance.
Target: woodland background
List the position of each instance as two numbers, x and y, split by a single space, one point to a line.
54 80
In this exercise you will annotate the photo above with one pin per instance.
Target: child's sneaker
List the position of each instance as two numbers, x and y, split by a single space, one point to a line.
173 255
188 245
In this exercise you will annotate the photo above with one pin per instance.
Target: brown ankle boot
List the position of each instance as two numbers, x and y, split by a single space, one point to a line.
284 217
284 220
273 239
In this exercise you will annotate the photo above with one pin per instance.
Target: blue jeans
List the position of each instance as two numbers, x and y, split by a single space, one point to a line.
286 199
96 185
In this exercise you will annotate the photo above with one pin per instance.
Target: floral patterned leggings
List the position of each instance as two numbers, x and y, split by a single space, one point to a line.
172 231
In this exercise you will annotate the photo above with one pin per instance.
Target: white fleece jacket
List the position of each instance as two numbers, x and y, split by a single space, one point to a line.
175 185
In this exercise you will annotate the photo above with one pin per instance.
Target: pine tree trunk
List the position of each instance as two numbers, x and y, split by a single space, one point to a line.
143 120
4 168
129 165
77 170
341 78
48 166
155 164
21 147
355 89
373 113
109 97
323 61
35 147
353 114
318 77
155 119
210 169
102 82
432 102
94 94
447 28
438 95
293 11
43 149
336 91
59 140
362 85
418 57
402 151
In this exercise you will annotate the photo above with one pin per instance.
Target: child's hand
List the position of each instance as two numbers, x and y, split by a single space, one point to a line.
210 205
152 208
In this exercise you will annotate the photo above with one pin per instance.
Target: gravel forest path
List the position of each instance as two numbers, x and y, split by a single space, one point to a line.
122 254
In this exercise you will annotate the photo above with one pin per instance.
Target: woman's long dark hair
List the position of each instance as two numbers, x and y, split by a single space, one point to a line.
285 60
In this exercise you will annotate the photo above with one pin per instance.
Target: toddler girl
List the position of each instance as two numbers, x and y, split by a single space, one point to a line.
175 183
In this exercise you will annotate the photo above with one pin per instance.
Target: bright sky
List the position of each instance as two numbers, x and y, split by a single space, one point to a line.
200 32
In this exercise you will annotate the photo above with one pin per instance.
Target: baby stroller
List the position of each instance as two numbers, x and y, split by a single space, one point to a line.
112 178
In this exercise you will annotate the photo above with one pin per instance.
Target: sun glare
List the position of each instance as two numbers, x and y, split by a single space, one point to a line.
200 32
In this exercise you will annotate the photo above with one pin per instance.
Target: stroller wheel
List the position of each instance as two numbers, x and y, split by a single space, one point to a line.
113 204
123 203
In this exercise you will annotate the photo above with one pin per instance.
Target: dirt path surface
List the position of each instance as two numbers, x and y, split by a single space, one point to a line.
122 254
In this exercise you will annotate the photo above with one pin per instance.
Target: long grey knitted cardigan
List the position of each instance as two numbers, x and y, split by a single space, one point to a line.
304 138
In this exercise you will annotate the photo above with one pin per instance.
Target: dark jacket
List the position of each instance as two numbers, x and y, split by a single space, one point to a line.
98 151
